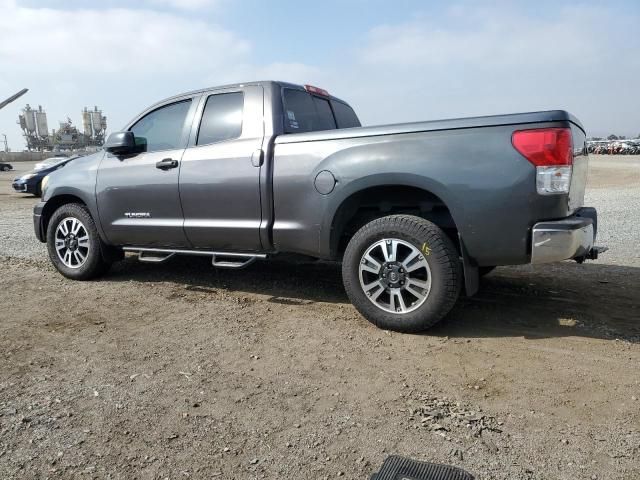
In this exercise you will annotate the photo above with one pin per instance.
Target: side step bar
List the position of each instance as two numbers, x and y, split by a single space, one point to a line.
218 259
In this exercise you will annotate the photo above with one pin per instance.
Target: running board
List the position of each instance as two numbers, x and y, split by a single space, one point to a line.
218 259
154 257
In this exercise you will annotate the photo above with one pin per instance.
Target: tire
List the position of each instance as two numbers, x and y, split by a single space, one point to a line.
91 248
5 168
431 258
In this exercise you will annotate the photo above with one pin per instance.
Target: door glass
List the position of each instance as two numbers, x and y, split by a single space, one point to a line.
222 118
162 129
306 113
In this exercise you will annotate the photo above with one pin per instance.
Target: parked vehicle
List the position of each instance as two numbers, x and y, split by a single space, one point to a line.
5 167
48 162
33 181
242 172
614 147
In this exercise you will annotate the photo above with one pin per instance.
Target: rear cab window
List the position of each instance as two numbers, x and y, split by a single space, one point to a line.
304 112
345 116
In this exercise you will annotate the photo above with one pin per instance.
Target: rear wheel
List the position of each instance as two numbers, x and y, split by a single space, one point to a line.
402 273
73 243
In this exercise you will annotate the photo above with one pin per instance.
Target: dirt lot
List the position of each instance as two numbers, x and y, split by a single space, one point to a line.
181 371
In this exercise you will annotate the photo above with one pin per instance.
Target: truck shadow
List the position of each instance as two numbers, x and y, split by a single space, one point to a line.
592 300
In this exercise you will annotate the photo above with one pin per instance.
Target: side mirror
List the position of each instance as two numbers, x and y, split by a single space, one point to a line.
121 143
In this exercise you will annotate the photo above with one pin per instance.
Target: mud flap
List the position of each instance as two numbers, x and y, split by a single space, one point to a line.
395 468
470 270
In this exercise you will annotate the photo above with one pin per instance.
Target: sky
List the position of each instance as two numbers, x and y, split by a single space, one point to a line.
399 61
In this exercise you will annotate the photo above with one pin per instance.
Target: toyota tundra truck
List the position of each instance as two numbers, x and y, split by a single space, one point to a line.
416 212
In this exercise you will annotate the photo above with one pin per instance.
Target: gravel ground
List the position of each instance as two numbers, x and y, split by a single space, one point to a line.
181 371
614 189
16 221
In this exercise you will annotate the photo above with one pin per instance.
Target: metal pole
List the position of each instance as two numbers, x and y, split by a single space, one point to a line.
13 97
6 145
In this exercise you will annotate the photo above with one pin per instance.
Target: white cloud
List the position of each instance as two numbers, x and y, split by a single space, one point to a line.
120 59
473 60
185 4
112 41
487 37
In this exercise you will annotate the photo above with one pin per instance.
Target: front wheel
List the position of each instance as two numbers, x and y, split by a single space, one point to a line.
73 243
402 273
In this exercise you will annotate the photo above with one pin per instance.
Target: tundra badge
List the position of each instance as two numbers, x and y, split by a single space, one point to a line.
137 215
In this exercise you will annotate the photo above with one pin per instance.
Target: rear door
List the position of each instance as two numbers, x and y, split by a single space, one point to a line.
138 197
220 172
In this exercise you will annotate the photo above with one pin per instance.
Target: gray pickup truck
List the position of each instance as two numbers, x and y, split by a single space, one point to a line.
416 212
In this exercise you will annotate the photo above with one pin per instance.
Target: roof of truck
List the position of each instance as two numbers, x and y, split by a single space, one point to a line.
243 84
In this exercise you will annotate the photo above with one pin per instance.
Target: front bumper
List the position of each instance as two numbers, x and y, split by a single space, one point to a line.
20 187
38 227
570 238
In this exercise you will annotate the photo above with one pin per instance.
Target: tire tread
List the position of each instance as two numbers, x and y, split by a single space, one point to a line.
443 253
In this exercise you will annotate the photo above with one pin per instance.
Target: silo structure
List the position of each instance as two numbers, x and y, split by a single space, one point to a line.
41 122
96 120
86 123
29 119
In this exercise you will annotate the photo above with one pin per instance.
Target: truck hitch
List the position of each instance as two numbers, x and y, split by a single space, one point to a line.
592 254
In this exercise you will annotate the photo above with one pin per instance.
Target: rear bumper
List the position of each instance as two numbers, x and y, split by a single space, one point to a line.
570 238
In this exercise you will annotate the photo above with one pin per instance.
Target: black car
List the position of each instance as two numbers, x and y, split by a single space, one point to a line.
32 181
5 167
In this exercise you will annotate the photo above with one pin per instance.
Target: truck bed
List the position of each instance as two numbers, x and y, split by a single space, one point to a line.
434 125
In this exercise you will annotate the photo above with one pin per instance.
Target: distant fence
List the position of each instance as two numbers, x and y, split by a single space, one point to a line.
25 156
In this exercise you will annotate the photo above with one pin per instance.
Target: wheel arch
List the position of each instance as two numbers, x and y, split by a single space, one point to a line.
67 196
380 195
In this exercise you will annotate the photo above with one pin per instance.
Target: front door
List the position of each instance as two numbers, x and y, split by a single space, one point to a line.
220 172
138 197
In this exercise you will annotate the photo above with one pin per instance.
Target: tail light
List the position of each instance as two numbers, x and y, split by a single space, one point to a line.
551 151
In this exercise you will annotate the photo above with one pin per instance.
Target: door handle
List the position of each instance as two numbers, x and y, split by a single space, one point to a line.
167 164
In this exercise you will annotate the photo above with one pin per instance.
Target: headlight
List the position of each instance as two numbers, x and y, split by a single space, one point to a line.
43 184
27 176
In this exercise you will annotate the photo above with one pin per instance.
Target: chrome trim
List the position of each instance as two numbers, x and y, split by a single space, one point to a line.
561 240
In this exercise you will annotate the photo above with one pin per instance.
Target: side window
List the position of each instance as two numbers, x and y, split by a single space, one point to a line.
221 118
325 115
345 116
299 111
162 129
304 112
